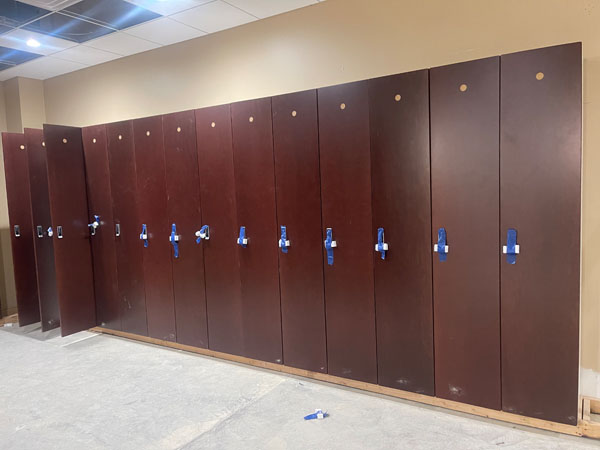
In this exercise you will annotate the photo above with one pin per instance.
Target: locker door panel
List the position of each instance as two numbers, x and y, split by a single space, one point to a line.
69 210
21 233
400 179
346 197
465 191
108 306
129 252
221 261
183 210
296 148
43 246
540 198
256 210
152 207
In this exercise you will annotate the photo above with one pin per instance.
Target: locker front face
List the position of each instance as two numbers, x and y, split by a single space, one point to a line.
21 238
152 205
183 210
129 252
400 179
41 221
296 147
69 209
255 198
465 203
540 199
108 306
346 196
222 267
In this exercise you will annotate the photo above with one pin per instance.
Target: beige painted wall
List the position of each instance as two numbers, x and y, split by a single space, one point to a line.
345 40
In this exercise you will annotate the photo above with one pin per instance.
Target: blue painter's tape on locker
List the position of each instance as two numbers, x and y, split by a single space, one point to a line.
173 238
511 246
441 244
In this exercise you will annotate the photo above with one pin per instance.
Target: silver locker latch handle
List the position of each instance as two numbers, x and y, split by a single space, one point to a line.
17 231
117 229
40 231
59 233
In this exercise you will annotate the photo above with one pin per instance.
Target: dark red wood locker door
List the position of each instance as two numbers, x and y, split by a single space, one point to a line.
41 221
183 210
221 259
21 233
152 207
298 186
69 209
129 252
104 258
401 196
256 211
465 124
540 198
346 196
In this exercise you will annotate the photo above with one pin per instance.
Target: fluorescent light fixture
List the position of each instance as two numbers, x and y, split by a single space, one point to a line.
33 43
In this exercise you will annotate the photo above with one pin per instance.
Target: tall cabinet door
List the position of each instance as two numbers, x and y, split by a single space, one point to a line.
152 207
21 233
298 186
465 203
540 199
40 213
129 252
183 210
255 201
400 180
221 259
346 197
108 306
69 210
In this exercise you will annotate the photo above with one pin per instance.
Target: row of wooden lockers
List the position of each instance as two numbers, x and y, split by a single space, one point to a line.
475 149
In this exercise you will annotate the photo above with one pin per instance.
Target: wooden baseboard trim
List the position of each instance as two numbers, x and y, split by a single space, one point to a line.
13 318
575 430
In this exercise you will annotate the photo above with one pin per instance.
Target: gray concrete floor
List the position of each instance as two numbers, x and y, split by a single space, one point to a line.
91 391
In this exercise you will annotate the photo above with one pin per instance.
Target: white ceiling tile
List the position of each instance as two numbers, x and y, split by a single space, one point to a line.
43 68
214 16
165 31
18 39
86 55
122 44
166 8
266 8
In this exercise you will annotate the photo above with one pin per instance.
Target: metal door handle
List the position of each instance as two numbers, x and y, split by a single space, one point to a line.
330 244
203 233
511 249
381 245
17 231
40 231
283 241
174 239
59 233
242 239
50 232
441 247
117 229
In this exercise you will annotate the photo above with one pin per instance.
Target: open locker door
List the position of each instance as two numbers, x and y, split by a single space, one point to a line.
69 210
42 243
21 234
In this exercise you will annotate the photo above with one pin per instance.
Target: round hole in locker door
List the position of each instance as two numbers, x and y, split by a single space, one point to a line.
397 97
343 106
539 76
251 119
43 143
213 124
463 87
22 147
120 137
65 140
179 129
94 140
294 113
147 133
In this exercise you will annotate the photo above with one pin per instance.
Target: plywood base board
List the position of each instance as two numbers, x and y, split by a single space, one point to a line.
576 430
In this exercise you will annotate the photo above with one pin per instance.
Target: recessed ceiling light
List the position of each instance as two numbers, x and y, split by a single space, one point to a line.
33 43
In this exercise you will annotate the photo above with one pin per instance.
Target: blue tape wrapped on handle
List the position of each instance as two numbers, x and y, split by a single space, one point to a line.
202 234
329 246
441 244
144 235
511 246
283 242
173 239
242 237
380 243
